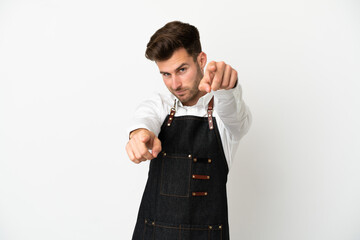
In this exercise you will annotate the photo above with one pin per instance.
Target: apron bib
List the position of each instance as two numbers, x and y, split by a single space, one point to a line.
185 194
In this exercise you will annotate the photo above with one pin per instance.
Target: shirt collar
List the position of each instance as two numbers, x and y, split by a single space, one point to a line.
202 102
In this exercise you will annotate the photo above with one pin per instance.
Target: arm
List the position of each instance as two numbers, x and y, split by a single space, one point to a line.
144 130
232 110
149 115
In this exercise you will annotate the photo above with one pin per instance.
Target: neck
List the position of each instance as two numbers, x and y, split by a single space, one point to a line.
193 101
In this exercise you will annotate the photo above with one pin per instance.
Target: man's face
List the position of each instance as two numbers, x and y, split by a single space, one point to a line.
182 76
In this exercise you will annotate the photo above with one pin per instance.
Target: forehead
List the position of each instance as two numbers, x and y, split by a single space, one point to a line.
179 57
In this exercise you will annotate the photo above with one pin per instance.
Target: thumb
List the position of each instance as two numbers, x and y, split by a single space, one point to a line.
156 147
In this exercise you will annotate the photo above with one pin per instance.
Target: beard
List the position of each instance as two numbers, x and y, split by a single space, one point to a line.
189 96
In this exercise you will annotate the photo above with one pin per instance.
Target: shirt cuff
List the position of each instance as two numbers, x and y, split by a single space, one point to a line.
134 127
141 125
224 93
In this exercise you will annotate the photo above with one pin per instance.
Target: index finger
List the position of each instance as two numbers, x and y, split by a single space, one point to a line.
141 151
218 78
205 83
211 67
156 147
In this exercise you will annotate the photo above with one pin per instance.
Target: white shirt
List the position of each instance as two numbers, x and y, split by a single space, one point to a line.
232 115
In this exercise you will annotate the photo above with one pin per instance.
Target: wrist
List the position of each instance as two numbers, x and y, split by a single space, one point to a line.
133 132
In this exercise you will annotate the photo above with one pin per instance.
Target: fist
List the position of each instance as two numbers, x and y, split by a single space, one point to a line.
218 75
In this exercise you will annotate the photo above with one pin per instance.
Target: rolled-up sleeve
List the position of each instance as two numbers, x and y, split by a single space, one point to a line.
149 115
233 112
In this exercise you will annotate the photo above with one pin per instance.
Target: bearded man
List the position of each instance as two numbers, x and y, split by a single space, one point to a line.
190 135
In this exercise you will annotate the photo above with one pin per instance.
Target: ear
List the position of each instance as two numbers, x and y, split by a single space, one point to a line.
202 59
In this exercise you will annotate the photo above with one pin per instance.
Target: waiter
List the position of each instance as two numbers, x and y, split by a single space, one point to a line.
190 135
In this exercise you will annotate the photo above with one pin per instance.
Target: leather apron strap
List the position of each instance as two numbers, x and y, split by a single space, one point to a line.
209 114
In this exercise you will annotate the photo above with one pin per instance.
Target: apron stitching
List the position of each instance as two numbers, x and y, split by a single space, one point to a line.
219 143
222 155
174 195
153 235
190 170
162 172
183 228
144 230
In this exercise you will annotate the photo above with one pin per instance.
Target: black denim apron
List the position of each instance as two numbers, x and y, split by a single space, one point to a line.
185 195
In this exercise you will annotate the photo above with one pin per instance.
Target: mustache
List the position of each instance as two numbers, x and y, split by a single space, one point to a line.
179 89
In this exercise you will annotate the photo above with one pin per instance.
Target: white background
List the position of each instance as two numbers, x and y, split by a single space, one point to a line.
72 72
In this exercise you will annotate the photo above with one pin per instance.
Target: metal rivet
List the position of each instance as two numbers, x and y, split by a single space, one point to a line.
193 176
164 154
168 124
210 121
145 221
170 118
193 194
209 160
211 127
205 193
208 177
220 227
153 223
210 227
189 156
195 159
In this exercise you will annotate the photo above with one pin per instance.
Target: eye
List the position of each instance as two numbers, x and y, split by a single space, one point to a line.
182 69
166 74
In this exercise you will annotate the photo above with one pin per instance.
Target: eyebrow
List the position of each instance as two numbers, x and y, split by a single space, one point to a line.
178 68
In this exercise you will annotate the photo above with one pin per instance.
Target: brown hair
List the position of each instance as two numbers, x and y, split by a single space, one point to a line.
172 36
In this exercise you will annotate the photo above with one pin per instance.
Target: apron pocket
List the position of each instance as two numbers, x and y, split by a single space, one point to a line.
175 175
201 232
198 234
166 231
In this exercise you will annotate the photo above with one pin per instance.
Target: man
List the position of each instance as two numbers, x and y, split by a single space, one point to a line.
190 135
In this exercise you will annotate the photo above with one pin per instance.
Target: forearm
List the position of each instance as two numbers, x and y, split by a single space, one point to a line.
233 111
147 116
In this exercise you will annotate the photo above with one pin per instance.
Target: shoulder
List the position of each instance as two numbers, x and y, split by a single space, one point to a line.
166 98
158 101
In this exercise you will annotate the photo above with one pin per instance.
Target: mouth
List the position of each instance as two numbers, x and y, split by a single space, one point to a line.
180 92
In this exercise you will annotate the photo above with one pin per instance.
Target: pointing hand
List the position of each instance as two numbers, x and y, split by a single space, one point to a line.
141 141
218 75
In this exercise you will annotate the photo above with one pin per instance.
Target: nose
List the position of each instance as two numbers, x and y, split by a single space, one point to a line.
176 83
